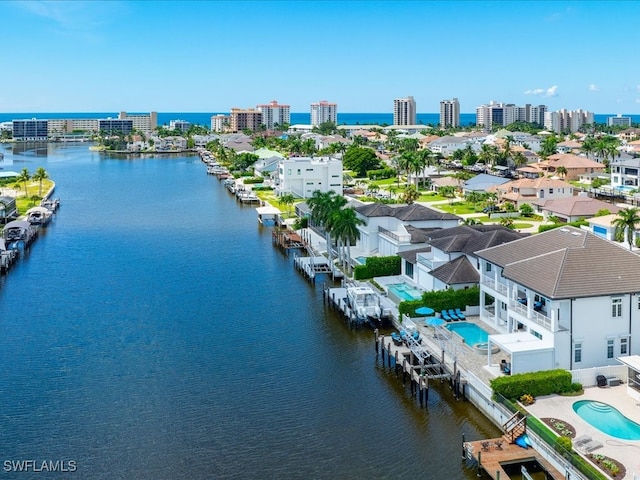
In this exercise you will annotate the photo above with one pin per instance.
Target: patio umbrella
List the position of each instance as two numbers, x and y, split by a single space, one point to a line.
425 311
434 322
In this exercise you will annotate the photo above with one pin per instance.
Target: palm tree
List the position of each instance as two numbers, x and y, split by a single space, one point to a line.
287 199
24 177
626 221
40 175
345 224
323 205
562 171
410 194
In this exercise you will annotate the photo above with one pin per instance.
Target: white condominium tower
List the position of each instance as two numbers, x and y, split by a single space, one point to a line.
273 114
450 113
404 111
567 120
322 112
503 114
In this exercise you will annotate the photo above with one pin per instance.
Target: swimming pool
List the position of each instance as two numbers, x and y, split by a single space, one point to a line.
607 419
404 291
470 332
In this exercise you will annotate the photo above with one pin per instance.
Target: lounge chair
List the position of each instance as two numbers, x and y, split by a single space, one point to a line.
460 315
582 439
590 446
446 316
452 314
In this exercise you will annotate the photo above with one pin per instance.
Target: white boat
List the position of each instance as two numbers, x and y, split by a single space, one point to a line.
365 303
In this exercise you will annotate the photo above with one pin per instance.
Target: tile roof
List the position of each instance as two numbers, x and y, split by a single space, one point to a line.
578 206
567 262
410 255
569 160
456 272
407 213
471 238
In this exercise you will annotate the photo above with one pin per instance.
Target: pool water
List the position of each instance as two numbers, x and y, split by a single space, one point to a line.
607 419
470 332
405 291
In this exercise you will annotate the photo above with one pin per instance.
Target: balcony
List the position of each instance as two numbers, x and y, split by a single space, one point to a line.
499 287
405 238
537 317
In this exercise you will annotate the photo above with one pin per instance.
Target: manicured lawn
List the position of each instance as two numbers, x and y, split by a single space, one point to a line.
431 197
32 199
459 207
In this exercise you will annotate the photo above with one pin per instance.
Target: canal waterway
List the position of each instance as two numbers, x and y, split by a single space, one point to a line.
154 332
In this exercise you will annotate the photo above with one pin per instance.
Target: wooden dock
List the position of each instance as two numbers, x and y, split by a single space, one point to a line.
490 455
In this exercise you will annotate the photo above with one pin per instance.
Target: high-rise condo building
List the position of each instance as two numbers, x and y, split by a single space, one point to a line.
619 121
220 122
503 114
450 113
143 122
248 119
567 120
404 111
32 130
322 112
273 114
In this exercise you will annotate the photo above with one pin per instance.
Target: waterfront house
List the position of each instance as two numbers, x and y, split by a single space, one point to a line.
625 172
565 298
301 176
390 229
571 209
450 262
267 161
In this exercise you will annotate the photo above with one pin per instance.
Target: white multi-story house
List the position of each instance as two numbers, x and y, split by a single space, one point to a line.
451 261
565 298
301 176
448 144
389 229
274 114
322 112
625 173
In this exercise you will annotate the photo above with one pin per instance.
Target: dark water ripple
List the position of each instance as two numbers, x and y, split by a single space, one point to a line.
154 332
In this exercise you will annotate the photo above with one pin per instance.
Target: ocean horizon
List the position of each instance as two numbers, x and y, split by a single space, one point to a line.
299 118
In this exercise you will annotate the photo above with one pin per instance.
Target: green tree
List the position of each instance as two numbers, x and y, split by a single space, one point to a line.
326 128
23 178
626 222
323 205
548 147
562 171
410 194
345 224
287 199
448 192
39 175
526 210
360 159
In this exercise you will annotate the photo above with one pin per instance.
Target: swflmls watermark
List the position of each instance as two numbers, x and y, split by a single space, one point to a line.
40 466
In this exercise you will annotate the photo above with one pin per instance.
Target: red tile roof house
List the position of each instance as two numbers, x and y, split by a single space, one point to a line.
565 298
574 164
572 209
529 190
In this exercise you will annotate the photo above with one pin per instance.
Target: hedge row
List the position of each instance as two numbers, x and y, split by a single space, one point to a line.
378 267
577 223
441 300
381 173
534 383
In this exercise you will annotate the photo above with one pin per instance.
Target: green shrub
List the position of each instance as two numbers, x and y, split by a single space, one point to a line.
442 299
578 224
563 444
381 174
378 267
533 383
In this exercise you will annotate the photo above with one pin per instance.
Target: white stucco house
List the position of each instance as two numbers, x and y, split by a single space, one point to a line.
565 298
390 229
301 176
529 190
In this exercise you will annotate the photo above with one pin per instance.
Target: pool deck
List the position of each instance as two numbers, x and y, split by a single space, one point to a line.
626 452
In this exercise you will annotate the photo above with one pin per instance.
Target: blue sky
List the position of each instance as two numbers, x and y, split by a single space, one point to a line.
209 56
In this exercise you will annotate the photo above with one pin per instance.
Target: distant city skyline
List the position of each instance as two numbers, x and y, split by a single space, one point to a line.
96 56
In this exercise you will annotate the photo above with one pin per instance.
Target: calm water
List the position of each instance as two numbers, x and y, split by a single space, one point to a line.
154 332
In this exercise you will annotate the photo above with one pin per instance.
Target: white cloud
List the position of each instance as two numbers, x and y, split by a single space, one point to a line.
549 92
593 87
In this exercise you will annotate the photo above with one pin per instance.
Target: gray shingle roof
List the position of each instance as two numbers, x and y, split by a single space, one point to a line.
410 255
457 271
567 263
407 213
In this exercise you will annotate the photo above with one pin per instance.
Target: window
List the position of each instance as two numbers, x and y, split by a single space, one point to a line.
624 346
551 191
408 269
610 348
487 266
616 307
577 352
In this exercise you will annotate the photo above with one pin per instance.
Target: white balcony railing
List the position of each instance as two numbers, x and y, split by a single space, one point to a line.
536 317
497 286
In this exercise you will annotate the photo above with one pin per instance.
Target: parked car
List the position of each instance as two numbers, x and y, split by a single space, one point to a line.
491 208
